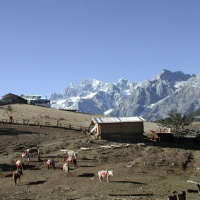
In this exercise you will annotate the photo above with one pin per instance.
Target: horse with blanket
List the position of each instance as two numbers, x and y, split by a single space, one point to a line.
16 176
49 163
105 173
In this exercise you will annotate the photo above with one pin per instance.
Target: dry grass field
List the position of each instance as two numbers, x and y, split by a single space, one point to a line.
32 113
152 171
22 112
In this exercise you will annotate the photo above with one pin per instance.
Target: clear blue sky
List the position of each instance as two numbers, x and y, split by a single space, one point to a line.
47 44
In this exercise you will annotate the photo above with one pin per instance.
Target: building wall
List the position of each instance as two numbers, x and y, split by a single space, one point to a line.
122 131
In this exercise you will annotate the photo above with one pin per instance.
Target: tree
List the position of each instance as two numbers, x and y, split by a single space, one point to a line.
175 121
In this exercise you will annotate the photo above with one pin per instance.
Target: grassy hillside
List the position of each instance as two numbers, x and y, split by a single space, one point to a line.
33 113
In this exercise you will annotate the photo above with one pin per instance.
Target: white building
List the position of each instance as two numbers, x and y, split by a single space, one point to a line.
36 100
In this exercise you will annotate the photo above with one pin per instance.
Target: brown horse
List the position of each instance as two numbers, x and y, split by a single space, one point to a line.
50 164
16 176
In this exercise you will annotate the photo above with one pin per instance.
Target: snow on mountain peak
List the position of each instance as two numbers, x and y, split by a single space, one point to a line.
125 98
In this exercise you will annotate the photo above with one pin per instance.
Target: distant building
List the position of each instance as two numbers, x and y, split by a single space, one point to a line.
36 100
12 98
118 128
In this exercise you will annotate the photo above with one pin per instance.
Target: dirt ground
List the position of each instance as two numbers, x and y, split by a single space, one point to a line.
150 171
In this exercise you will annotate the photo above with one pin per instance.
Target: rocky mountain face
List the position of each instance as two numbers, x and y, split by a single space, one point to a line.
151 99
92 96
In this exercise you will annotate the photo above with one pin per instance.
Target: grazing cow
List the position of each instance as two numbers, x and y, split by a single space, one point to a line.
105 173
49 163
19 164
66 168
16 176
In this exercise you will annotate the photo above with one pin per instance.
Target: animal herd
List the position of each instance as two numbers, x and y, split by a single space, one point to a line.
70 158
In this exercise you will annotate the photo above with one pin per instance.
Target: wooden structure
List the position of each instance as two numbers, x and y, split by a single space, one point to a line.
12 98
125 129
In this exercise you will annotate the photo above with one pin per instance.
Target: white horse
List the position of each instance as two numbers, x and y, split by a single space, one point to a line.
25 155
72 153
66 168
19 164
32 152
105 173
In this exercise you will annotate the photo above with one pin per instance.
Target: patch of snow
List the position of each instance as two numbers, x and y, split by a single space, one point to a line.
90 95
108 112
179 84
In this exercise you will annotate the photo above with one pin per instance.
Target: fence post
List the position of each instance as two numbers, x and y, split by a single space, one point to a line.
47 123
182 196
198 186
172 197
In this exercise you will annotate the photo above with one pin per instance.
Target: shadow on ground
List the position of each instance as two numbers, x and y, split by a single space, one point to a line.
132 182
36 182
135 195
87 175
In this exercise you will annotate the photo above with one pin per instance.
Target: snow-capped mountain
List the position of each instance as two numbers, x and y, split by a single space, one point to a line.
92 96
151 99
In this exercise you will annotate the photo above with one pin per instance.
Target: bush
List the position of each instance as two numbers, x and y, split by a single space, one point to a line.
175 121
9 108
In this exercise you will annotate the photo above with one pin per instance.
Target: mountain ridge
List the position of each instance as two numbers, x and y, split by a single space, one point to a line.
151 99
